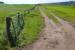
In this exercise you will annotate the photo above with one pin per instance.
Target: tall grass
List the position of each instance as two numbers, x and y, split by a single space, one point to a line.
33 24
65 12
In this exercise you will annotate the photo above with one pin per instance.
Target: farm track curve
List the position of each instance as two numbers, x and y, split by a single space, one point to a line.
53 36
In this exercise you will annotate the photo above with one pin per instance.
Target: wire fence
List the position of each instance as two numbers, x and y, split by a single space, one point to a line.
15 25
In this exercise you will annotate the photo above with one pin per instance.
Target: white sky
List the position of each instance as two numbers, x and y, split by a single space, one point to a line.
30 1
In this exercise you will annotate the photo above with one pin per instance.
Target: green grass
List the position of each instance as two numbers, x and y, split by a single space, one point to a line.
33 24
47 12
65 12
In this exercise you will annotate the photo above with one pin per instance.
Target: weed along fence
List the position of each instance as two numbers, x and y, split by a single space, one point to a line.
14 26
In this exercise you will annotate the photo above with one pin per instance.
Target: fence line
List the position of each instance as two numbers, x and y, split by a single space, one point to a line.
14 26
9 35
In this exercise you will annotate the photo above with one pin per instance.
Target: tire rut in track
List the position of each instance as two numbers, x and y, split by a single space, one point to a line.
53 37
70 33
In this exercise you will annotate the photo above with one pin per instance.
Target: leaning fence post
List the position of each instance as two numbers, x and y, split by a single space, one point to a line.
9 35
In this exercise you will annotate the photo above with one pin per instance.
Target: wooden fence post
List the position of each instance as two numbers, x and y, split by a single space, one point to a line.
9 35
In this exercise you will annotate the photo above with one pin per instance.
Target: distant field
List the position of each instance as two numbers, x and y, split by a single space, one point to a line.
33 24
33 21
65 12
8 10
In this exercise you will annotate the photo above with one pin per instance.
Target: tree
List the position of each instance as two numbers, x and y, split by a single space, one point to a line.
72 2
1 2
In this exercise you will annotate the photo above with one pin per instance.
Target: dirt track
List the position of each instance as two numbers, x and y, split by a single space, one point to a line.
54 37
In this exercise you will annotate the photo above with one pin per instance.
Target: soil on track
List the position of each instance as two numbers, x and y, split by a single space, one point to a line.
53 36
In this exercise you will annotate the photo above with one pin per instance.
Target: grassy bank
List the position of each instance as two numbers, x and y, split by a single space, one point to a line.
65 12
33 24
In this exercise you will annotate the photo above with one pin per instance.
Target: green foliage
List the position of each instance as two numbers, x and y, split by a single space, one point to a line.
33 24
6 10
64 12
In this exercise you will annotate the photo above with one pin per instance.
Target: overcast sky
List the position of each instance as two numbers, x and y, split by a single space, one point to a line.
30 1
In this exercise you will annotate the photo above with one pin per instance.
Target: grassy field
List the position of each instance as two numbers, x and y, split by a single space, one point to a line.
65 12
33 24
33 21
